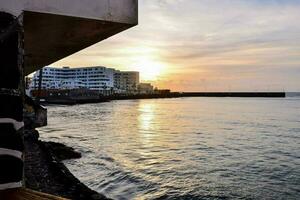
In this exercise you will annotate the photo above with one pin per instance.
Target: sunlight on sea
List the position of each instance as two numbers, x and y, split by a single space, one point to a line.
185 148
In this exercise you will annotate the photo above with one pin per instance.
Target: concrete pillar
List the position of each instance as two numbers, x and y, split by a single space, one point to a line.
11 101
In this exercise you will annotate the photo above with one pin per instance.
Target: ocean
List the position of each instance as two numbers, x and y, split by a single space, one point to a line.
184 148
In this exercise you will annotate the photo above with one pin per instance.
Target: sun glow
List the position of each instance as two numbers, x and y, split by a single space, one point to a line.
150 69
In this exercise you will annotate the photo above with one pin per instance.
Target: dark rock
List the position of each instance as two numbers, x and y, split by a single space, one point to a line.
45 172
32 135
61 151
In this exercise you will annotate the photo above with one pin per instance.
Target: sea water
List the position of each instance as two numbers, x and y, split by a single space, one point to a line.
184 148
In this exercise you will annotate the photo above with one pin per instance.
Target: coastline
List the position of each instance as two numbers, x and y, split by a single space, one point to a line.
72 100
45 172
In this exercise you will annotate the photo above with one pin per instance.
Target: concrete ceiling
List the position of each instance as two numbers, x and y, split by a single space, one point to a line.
51 37
54 29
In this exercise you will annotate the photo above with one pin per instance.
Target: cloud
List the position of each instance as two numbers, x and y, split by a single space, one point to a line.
228 39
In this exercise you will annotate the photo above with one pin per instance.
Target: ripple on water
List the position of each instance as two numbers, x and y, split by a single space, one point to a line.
188 148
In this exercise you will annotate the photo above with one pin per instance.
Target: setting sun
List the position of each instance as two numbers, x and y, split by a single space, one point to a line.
149 68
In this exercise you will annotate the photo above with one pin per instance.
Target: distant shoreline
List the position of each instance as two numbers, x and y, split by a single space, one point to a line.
236 94
76 100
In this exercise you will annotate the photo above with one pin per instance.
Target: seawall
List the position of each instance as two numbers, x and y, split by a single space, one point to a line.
74 100
235 94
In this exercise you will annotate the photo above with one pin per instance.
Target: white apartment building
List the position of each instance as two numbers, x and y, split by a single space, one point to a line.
93 78
126 81
145 88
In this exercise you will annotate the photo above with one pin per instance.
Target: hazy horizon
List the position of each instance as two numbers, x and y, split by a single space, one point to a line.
207 46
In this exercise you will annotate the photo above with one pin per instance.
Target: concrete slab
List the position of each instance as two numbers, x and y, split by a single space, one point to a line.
122 11
49 37
54 29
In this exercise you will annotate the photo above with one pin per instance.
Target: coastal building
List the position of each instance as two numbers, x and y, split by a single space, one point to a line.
28 81
126 81
145 88
93 78
162 91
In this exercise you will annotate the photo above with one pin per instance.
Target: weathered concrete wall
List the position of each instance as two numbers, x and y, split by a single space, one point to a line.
121 11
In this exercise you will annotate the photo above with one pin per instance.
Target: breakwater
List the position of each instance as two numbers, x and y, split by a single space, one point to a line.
235 94
71 100
200 94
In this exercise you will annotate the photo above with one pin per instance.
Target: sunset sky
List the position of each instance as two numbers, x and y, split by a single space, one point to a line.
207 45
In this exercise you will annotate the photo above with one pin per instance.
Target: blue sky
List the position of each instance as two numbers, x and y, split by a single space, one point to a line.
207 45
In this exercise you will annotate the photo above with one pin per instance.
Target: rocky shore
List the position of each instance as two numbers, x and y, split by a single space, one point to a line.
45 172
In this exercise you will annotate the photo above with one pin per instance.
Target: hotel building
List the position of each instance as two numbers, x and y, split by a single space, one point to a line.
93 78
126 81
145 88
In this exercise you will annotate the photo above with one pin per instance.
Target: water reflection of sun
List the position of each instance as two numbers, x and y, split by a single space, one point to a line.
146 116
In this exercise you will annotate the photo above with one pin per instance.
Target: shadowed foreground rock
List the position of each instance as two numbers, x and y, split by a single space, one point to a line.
45 172
61 151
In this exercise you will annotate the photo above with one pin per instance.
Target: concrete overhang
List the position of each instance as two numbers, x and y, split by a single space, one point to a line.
54 29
